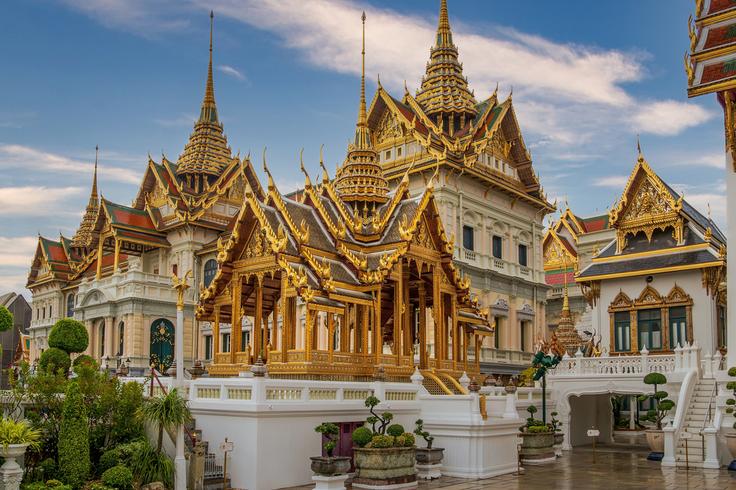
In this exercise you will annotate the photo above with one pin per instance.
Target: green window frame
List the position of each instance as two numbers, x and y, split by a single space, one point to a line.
622 331
678 326
226 342
649 324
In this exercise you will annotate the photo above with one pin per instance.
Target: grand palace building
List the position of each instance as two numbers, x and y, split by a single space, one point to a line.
114 273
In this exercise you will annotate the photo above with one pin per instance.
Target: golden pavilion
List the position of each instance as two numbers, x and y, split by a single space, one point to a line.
344 281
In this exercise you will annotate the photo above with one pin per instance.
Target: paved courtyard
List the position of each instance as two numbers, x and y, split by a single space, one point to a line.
582 470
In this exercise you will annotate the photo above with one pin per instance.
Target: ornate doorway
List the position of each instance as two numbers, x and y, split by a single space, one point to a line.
162 344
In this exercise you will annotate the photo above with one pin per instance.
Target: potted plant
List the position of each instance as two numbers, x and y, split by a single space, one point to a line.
429 459
384 454
329 465
537 440
559 436
662 405
15 438
730 406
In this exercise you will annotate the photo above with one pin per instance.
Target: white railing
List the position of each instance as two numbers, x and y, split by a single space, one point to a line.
505 356
469 254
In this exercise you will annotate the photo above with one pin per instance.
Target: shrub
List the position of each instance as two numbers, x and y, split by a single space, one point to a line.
362 436
126 426
395 430
419 430
73 446
409 439
85 360
6 319
149 465
12 432
54 360
48 468
330 432
662 405
731 400
119 477
535 429
69 335
108 460
100 486
382 441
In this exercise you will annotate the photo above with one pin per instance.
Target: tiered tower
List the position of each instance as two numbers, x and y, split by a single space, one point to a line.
83 236
360 181
207 153
444 94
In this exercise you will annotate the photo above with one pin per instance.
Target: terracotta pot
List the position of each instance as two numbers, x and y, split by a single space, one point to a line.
655 439
537 447
383 467
430 456
11 473
330 466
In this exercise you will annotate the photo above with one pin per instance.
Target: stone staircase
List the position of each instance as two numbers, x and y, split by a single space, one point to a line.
695 417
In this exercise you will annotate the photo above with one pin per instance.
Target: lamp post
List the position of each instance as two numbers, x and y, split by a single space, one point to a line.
181 286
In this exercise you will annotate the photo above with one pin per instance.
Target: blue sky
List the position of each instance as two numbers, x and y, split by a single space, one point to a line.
128 75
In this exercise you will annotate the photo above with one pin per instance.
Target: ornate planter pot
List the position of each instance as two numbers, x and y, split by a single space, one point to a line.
537 448
427 455
559 439
330 466
10 472
731 444
383 467
655 439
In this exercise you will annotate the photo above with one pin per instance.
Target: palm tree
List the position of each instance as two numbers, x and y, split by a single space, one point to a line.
168 412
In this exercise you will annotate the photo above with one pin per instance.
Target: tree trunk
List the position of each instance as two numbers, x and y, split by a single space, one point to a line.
160 437
544 399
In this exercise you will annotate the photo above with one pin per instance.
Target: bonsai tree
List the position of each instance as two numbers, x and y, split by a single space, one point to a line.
731 401
381 434
662 405
382 420
419 430
556 424
330 432
542 363
534 424
167 412
6 319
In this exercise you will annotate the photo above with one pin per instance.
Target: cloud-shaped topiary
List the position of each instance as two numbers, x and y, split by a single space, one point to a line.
69 335
54 361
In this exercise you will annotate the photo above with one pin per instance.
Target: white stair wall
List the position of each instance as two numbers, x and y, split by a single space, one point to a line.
697 413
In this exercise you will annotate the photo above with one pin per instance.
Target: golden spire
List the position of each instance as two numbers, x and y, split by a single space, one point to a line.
83 236
444 92
360 179
207 153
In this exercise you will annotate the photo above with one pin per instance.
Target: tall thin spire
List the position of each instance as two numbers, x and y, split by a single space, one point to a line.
360 179
94 177
83 236
209 109
444 34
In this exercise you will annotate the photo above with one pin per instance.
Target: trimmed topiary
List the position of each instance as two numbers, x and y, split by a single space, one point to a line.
395 430
85 360
362 436
73 446
409 439
69 335
108 460
381 441
119 477
6 319
54 361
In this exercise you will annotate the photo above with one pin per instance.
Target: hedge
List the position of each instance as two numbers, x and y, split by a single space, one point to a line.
74 464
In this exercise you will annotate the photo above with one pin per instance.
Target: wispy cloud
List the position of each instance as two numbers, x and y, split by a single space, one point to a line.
669 117
20 156
612 181
16 120
17 251
177 121
233 72
33 200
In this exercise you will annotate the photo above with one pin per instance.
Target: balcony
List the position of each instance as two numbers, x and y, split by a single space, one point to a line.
131 285
469 255
505 358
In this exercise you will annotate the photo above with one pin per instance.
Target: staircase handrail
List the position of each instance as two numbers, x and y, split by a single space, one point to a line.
709 414
672 432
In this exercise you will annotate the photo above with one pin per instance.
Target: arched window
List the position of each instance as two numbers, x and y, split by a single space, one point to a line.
121 338
70 305
210 269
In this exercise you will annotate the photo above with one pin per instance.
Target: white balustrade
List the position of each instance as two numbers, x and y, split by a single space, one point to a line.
615 365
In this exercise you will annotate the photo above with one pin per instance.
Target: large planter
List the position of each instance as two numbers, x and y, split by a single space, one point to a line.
384 467
427 455
655 439
559 439
10 472
731 444
330 466
537 448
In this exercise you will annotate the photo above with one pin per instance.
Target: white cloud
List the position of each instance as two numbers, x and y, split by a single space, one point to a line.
613 181
34 200
19 156
231 71
180 120
669 117
717 203
14 283
17 251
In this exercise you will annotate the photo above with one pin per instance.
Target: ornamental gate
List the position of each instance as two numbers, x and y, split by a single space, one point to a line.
162 344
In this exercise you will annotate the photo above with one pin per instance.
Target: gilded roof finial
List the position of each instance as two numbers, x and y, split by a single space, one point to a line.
94 177
495 92
362 116
209 110
444 35
271 184
325 173
307 180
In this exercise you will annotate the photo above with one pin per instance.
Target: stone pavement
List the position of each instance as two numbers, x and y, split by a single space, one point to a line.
577 471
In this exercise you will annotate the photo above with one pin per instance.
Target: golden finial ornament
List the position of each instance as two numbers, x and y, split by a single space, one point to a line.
689 69
181 285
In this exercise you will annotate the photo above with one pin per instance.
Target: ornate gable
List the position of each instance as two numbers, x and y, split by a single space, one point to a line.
556 254
621 301
649 296
646 205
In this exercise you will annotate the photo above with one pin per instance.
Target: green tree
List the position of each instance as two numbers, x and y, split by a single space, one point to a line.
69 335
54 360
73 445
662 404
6 319
166 412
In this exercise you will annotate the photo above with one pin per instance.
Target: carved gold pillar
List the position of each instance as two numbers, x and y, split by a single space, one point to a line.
466 346
235 324
364 330
665 326
216 334
477 353
275 326
115 267
422 326
378 335
455 336
407 309
308 334
286 328
398 323
99 257
633 327
330 336
259 338
437 313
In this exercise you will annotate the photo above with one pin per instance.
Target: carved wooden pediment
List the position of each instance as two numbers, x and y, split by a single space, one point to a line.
649 296
257 245
389 127
621 300
422 237
556 255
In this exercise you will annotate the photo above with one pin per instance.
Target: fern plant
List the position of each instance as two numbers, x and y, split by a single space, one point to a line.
12 432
